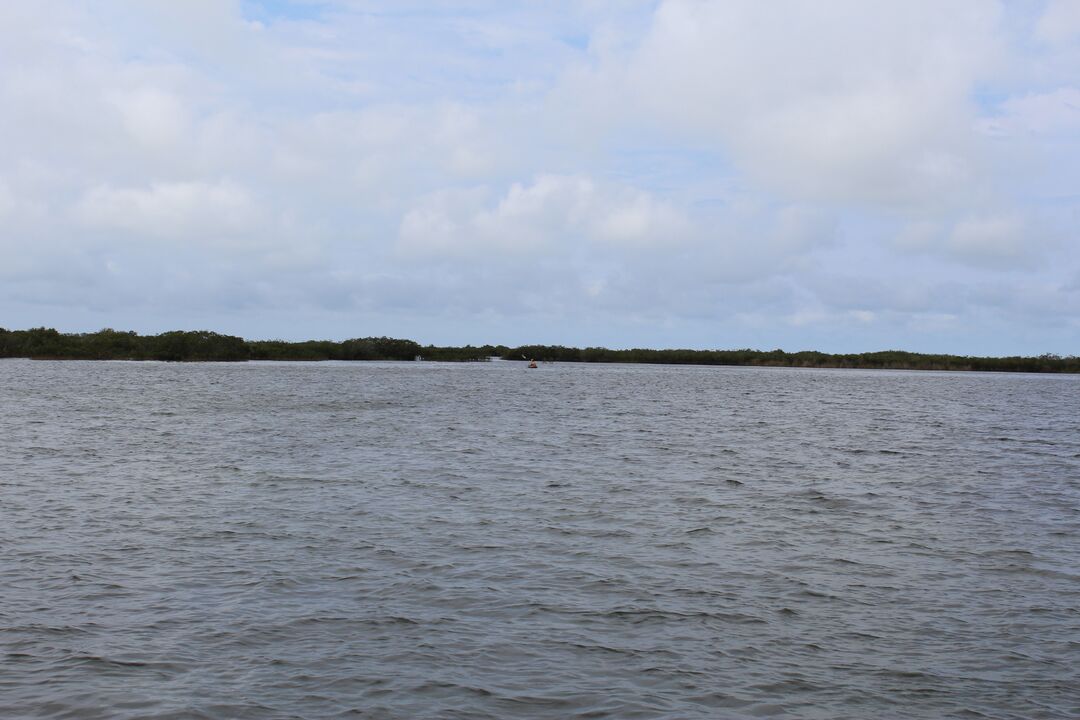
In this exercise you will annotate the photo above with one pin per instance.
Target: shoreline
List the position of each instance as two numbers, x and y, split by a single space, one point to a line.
759 366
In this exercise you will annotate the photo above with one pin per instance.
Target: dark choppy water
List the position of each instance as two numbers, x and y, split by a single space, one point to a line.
456 541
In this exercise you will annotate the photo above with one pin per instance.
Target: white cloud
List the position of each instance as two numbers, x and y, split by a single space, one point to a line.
841 100
988 240
156 118
440 222
195 211
996 240
1060 22
639 218
553 213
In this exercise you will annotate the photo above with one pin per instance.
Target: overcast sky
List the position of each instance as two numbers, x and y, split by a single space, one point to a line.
841 175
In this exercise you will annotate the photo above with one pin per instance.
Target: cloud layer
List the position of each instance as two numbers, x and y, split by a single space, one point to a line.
837 176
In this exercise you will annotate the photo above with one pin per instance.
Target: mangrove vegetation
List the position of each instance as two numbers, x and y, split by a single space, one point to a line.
204 345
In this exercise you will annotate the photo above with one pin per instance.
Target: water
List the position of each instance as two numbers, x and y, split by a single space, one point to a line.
421 540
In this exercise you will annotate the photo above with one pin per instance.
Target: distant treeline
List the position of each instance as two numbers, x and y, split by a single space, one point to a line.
888 359
203 345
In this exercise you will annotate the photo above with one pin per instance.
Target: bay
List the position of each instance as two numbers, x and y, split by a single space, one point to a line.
407 540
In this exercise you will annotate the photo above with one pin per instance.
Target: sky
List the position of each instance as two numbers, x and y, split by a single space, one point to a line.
843 176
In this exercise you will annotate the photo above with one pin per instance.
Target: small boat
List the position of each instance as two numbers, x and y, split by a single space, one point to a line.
532 364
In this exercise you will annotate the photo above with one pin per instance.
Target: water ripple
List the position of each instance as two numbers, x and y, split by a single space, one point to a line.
412 540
